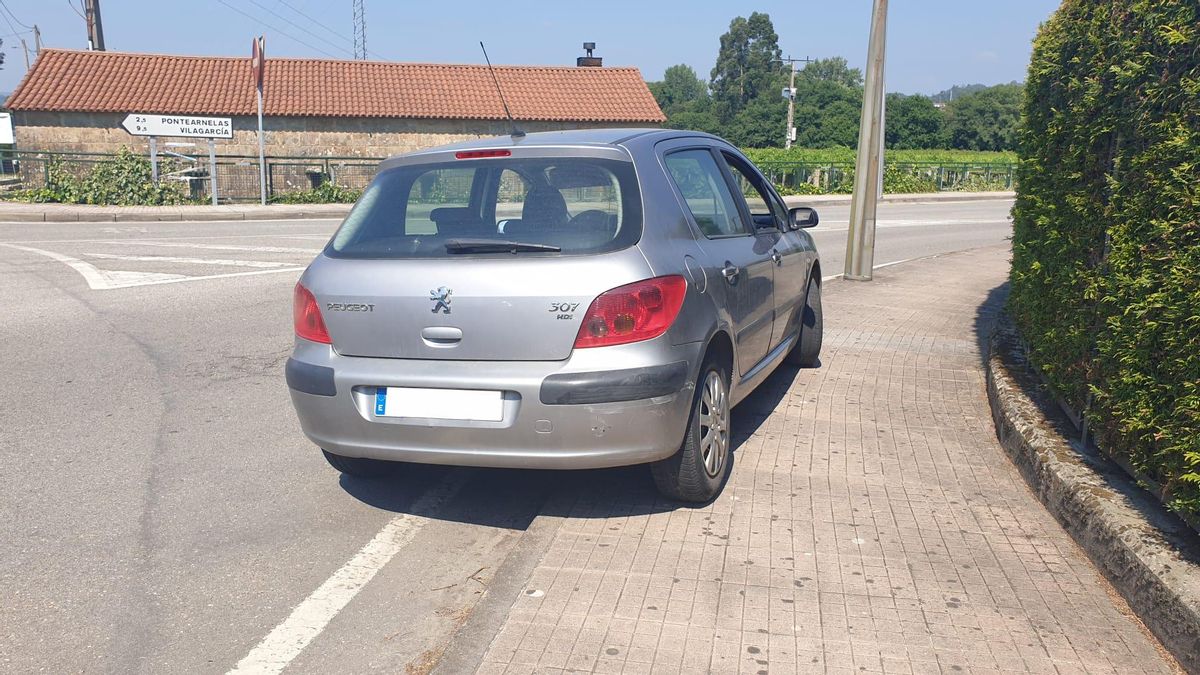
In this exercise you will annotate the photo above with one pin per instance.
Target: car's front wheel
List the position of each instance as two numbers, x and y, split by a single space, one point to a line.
359 467
698 471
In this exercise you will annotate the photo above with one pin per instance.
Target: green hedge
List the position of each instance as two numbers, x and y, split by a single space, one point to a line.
1106 248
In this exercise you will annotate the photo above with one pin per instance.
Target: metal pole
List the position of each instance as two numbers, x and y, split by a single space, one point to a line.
212 169
791 107
262 165
860 244
154 159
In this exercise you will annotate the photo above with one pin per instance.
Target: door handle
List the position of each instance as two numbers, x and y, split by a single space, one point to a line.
776 257
730 272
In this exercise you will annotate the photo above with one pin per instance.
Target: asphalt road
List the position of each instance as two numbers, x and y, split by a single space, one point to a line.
162 511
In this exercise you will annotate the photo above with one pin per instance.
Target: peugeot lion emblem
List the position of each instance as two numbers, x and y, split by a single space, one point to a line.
441 299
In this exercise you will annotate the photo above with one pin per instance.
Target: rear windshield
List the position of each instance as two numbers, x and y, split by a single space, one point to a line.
502 206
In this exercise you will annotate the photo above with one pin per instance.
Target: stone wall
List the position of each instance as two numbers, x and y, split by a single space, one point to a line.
285 136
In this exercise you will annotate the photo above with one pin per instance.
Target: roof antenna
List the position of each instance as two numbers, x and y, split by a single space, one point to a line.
516 131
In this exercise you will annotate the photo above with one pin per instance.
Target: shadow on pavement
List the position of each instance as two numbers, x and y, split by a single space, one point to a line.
511 498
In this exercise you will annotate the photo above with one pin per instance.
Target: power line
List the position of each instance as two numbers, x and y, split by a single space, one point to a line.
14 16
286 35
292 23
10 23
329 30
325 27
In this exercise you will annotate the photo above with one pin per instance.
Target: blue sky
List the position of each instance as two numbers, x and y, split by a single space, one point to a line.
932 44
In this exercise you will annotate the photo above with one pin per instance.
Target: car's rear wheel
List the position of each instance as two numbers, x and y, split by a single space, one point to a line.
359 467
807 350
698 471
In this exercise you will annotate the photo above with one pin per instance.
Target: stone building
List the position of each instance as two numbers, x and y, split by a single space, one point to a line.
76 100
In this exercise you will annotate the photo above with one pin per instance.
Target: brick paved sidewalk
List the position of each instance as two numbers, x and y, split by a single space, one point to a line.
872 523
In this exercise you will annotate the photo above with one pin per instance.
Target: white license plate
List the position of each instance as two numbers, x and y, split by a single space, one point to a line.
442 404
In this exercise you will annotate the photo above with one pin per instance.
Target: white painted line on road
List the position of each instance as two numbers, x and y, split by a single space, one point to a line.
878 267
228 275
916 222
314 613
107 280
98 279
220 247
111 240
193 261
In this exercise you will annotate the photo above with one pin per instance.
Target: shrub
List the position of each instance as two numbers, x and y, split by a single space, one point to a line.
128 180
327 192
1106 248
125 179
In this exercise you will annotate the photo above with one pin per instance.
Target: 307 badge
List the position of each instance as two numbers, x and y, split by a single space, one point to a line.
564 310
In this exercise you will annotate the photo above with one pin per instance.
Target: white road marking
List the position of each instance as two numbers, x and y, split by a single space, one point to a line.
844 225
309 618
193 261
879 266
220 247
107 280
162 238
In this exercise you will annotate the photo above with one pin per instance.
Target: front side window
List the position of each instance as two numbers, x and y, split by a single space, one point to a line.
764 210
702 184
494 206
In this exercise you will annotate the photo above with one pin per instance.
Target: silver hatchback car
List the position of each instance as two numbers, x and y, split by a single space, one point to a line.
560 300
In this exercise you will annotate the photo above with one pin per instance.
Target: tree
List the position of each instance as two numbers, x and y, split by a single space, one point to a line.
834 69
827 114
680 86
985 120
748 65
913 122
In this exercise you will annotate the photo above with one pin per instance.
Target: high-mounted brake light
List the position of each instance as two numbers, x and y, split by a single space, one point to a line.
639 311
481 154
306 316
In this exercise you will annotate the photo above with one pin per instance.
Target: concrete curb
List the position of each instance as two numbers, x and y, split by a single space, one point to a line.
1149 556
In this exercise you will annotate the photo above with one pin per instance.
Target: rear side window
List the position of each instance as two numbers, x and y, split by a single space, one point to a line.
706 192
494 206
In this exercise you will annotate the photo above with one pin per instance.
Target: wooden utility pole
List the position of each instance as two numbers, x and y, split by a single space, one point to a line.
868 170
791 97
94 26
37 40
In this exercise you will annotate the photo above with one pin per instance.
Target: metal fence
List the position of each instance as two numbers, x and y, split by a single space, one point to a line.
909 176
237 176
238 179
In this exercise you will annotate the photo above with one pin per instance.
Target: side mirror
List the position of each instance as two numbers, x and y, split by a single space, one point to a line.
803 216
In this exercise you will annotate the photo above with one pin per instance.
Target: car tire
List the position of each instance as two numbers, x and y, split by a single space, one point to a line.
807 350
359 467
698 471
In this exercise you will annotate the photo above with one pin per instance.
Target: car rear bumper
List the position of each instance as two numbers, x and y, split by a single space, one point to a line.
575 414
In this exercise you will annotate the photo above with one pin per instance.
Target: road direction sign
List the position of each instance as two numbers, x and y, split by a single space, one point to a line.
178 125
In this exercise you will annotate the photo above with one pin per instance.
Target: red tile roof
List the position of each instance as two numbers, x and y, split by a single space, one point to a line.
87 81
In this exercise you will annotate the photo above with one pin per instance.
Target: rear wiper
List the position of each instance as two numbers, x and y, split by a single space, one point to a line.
496 246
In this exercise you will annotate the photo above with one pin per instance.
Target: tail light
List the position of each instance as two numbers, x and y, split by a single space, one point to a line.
306 316
639 311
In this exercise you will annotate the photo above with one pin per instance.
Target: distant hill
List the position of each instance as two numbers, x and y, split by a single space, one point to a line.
959 90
